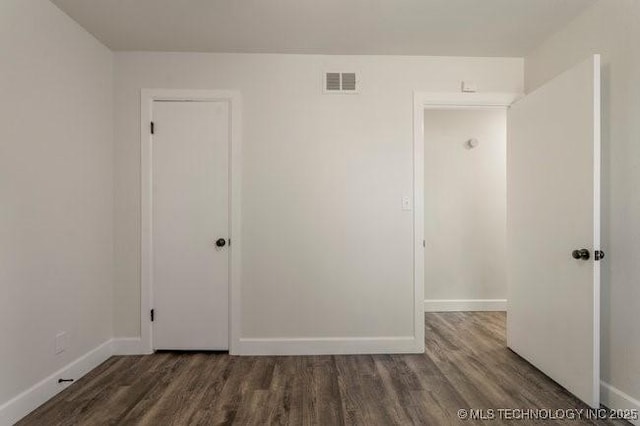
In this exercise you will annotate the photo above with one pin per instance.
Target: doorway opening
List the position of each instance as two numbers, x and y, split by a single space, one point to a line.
465 209
190 213
553 248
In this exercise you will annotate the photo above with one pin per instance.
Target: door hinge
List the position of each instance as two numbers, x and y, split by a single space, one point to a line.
152 128
424 243
152 315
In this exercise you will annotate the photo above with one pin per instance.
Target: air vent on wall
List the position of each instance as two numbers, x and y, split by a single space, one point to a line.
332 81
336 82
349 81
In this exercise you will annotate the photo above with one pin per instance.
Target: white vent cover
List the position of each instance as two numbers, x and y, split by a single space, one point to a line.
340 82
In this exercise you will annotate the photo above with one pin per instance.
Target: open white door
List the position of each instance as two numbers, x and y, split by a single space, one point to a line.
553 209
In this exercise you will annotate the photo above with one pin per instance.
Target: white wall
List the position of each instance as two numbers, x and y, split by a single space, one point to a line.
611 28
327 249
465 204
56 181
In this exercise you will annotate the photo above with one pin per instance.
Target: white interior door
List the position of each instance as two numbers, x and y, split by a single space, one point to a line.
190 150
553 208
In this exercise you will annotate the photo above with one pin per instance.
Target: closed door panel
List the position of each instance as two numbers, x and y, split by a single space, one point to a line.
553 214
190 213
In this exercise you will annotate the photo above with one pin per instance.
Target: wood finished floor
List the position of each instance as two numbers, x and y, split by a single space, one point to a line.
466 365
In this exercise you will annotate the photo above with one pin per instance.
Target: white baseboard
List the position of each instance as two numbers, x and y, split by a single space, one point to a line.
27 401
128 346
456 305
329 346
615 399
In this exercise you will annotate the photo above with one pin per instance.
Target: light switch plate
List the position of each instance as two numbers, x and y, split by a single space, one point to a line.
406 203
469 87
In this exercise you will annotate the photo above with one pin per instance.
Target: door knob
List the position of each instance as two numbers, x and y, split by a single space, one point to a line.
221 242
581 254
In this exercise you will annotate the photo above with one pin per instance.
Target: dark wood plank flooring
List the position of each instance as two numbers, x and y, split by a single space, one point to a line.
466 365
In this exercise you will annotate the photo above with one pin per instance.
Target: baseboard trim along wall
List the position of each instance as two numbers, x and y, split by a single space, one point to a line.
615 399
329 346
27 401
460 305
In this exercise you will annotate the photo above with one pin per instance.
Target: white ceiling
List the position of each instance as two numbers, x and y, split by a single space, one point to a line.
407 27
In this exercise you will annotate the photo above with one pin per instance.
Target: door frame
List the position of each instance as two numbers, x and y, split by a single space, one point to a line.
421 102
233 99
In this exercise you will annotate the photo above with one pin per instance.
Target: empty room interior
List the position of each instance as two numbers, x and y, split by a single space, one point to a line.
366 212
